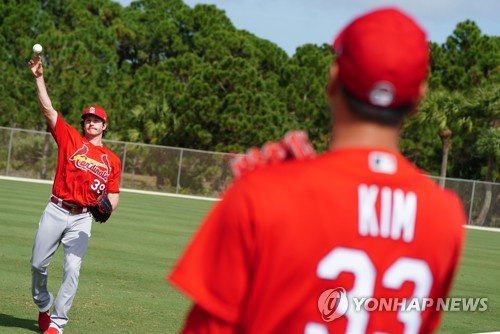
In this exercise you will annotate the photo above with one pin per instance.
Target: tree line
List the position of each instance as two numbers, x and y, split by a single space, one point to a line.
168 74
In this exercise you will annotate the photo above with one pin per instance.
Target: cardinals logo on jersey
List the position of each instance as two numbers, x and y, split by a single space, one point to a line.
99 168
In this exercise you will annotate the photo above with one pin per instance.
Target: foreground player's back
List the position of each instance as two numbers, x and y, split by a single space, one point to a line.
361 221
296 247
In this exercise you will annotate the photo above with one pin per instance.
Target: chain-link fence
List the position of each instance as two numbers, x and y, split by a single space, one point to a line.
33 154
481 200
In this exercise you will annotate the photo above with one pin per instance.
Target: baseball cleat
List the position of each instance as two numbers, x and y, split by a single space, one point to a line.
44 315
53 329
43 320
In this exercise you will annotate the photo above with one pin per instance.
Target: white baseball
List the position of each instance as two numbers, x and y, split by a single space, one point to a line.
37 48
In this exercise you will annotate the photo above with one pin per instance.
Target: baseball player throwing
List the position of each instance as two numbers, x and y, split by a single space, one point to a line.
86 184
294 245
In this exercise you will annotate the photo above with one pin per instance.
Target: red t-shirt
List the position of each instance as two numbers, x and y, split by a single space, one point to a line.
83 170
363 220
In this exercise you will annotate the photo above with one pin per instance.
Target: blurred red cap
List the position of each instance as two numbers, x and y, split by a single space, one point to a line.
96 111
383 58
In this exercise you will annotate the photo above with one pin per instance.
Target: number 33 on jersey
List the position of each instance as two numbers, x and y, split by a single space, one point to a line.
385 213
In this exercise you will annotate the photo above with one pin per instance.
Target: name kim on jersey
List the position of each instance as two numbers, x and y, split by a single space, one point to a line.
394 216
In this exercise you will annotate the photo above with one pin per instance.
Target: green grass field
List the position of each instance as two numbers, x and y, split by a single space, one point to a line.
122 284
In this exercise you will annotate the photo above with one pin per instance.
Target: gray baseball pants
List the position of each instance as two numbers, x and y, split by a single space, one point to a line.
57 226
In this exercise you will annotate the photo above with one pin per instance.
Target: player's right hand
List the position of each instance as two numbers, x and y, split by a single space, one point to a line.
294 145
36 66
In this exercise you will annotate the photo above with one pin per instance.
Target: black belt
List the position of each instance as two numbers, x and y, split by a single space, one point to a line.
73 208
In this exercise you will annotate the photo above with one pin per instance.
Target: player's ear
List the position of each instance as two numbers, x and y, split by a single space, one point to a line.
422 92
104 126
333 80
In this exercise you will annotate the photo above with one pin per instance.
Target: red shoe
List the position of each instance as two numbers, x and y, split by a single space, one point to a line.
53 330
43 320
44 315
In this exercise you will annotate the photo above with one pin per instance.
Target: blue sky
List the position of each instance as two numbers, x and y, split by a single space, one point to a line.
291 23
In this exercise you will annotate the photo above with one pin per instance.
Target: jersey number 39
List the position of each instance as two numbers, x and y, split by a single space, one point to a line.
98 186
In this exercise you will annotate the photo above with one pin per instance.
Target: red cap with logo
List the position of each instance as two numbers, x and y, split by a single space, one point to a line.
383 58
96 111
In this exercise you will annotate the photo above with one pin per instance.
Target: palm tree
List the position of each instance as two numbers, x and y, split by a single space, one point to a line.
443 110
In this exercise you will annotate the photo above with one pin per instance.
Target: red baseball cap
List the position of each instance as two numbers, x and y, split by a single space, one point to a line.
95 110
383 58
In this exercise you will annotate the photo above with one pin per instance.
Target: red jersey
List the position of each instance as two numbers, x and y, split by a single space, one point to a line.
361 220
83 171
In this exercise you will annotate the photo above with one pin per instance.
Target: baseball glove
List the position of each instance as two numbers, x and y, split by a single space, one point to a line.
295 145
102 209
